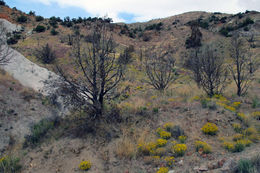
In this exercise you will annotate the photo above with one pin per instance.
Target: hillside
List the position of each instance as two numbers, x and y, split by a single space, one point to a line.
143 130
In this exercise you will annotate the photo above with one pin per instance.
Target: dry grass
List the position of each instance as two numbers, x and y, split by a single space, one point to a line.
125 148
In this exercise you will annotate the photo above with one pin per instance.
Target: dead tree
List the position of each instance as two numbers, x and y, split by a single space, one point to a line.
242 66
159 69
208 69
45 54
98 70
5 52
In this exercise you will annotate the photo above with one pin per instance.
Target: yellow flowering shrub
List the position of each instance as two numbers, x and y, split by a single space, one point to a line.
241 116
179 149
168 126
203 146
163 170
147 148
237 127
85 165
236 104
161 142
174 142
237 137
220 104
210 129
239 146
182 138
196 98
139 88
153 97
256 115
221 98
249 131
254 137
230 108
2 159
229 146
165 134
156 157
245 142
171 99
158 130
169 160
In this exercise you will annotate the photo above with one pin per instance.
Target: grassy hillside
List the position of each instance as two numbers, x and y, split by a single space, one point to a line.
145 130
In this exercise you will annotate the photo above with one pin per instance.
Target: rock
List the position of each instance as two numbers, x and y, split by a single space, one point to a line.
180 162
196 168
203 168
216 164
221 162
228 166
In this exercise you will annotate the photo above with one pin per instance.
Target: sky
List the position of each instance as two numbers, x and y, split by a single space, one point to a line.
130 11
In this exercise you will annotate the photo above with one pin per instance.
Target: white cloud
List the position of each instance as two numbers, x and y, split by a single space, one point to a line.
146 10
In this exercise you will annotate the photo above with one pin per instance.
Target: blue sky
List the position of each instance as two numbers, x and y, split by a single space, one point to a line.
130 10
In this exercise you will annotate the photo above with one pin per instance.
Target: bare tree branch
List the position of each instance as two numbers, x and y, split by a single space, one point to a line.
208 69
99 70
243 65
159 69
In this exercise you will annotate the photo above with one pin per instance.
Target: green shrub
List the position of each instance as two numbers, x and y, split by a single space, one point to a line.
204 103
39 18
237 127
53 22
54 32
10 164
21 19
255 102
239 146
39 28
256 162
155 110
2 2
31 13
245 166
157 26
38 131
176 131
11 40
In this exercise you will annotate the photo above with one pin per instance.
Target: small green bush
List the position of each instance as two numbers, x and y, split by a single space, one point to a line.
38 131
2 2
239 146
155 110
255 102
176 131
10 164
21 19
54 32
245 166
40 28
39 18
